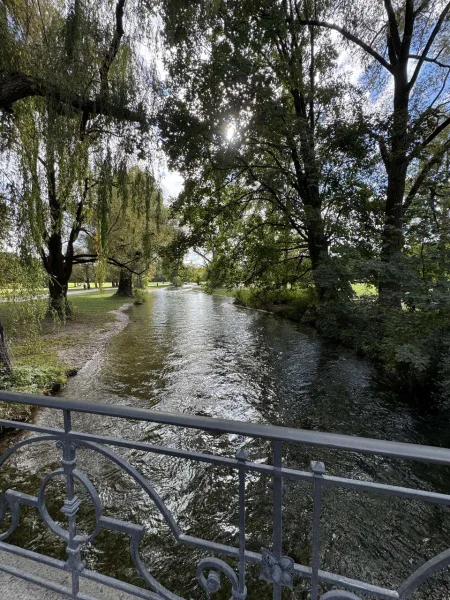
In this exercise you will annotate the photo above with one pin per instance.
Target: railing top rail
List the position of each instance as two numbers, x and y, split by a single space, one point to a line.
338 441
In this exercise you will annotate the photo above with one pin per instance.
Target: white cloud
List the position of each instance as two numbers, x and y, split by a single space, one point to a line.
172 184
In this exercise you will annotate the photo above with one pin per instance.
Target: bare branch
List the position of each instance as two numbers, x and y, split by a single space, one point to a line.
113 48
428 45
352 38
430 60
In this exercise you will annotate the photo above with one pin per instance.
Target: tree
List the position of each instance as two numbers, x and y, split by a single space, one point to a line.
84 92
131 235
77 52
410 49
257 108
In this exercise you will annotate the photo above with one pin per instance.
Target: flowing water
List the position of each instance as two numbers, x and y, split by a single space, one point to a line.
184 351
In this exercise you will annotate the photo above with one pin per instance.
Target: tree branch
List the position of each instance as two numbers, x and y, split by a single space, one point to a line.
352 38
393 36
431 137
428 45
202 255
435 160
80 259
113 48
17 86
430 60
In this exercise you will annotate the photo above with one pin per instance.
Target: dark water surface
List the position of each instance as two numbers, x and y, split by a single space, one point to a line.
184 351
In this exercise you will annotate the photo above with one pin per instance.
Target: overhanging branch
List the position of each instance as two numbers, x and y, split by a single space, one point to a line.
17 86
351 37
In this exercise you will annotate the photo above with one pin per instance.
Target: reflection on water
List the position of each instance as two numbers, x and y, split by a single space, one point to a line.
188 352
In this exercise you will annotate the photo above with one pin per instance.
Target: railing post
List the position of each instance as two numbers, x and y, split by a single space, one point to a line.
71 505
318 469
277 510
242 456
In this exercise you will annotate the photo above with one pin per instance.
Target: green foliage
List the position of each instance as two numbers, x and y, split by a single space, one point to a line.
137 223
411 347
266 200
140 297
22 309
34 380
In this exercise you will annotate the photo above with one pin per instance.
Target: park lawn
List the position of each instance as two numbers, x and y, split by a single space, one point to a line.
223 292
37 366
94 307
154 284
364 289
73 286
360 289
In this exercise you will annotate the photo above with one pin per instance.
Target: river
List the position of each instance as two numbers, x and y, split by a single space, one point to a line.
185 351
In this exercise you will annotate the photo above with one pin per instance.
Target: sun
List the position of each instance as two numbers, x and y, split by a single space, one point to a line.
231 130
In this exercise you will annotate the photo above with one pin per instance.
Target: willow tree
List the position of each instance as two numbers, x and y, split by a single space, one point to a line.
71 81
256 96
21 282
131 234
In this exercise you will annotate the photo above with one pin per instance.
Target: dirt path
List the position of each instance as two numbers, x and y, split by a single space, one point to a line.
92 341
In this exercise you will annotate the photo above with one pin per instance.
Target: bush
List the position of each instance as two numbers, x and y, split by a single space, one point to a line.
412 348
139 296
34 380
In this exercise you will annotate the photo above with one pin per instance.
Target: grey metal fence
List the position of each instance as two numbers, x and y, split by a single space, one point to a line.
276 570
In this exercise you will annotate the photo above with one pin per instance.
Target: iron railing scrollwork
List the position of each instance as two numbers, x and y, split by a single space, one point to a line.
276 570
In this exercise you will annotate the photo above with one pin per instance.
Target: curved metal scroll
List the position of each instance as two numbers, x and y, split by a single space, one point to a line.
139 479
31 440
135 532
423 573
13 500
212 583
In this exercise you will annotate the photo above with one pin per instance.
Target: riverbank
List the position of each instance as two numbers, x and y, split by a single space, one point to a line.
410 348
43 365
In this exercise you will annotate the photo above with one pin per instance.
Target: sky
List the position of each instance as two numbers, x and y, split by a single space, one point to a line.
172 183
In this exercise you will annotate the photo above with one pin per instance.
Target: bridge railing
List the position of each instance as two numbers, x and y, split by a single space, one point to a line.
276 569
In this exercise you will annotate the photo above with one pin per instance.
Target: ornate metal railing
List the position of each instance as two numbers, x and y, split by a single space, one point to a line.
277 570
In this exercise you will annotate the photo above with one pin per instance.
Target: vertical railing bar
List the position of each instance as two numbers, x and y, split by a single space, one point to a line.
277 510
71 505
318 469
242 456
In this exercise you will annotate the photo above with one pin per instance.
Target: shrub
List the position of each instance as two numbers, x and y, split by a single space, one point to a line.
34 380
139 296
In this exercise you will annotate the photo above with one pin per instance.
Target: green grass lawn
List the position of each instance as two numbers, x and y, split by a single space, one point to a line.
93 307
360 289
72 286
223 292
364 289
154 284
36 365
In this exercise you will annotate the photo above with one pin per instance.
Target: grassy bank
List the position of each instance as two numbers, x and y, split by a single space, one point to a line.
42 362
292 304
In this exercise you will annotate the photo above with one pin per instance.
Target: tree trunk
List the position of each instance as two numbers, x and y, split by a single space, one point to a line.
392 240
59 270
5 362
308 183
58 296
318 253
139 283
125 284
